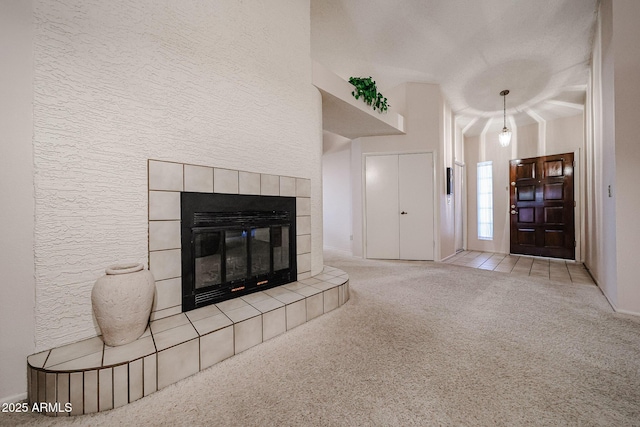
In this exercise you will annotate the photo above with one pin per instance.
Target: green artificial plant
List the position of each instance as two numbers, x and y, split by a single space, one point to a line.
366 88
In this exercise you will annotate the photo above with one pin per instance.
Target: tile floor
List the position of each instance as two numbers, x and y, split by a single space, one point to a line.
556 270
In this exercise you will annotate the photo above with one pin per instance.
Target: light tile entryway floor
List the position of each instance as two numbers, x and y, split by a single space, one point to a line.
557 270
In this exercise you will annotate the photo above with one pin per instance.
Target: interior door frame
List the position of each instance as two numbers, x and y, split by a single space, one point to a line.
436 210
579 197
463 198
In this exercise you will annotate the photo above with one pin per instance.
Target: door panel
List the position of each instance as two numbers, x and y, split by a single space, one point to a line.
542 214
416 206
381 180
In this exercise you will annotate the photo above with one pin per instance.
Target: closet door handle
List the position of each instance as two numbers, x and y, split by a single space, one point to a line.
403 213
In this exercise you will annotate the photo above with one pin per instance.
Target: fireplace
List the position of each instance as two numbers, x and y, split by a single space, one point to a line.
233 245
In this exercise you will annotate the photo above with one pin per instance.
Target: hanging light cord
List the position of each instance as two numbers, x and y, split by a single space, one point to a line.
504 110
504 94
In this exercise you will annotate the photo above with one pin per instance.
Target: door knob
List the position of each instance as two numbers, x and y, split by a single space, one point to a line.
403 213
513 212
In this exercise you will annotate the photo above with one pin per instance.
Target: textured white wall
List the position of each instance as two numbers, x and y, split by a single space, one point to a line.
614 155
601 238
626 34
16 192
222 83
336 192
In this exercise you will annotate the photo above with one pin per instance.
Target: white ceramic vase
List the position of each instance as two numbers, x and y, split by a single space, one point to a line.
122 301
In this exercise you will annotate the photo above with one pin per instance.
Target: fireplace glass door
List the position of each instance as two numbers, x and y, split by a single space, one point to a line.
260 250
280 247
255 253
229 248
235 244
238 250
208 259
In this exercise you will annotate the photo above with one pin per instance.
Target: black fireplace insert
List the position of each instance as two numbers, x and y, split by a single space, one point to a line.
233 245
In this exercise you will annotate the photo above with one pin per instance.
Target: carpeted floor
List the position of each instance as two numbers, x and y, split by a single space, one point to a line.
419 343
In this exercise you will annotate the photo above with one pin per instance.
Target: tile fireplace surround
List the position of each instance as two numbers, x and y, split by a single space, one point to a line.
168 179
93 377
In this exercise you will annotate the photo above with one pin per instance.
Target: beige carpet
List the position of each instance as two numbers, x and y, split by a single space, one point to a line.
419 343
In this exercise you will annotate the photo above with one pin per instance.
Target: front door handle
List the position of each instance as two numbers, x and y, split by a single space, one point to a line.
513 212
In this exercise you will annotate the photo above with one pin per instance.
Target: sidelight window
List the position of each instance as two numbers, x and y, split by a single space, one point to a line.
485 200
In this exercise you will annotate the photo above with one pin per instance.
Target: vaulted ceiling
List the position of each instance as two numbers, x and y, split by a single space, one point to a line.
537 49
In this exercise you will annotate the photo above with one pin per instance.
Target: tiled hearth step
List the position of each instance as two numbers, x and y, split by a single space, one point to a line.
93 377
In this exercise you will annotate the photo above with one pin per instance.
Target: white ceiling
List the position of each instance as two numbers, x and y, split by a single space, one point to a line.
538 49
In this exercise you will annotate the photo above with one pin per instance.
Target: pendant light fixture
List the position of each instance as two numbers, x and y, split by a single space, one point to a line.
505 135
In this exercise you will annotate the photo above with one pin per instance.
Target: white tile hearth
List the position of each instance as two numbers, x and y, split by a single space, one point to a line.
137 349
268 304
296 314
216 346
308 291
255 297
248 333
94 377
315 306
174 336
243 313
120 386
177 363
76 351
274 323
330 299
212 323
136 380
232 304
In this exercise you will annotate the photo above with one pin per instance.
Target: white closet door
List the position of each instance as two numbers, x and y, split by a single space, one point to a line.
399 206
381 192
416 206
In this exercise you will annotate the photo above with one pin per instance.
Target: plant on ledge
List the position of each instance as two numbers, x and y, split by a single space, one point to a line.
366 88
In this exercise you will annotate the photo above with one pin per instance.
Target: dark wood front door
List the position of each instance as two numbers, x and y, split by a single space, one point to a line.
542 214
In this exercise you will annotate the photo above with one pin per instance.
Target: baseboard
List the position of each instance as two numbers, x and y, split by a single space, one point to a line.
617 309
342 251
450 256
13 399
611 303
629 312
